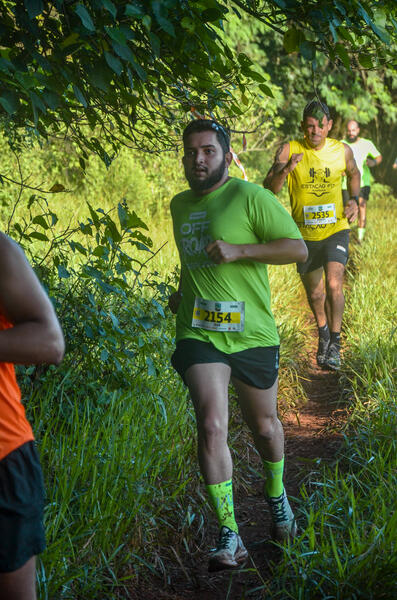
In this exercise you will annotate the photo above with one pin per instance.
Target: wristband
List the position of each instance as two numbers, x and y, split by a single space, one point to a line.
355 198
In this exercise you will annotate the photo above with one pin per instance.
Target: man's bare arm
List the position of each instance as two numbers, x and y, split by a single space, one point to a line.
373 161
282 166
36 336
276 252
353 184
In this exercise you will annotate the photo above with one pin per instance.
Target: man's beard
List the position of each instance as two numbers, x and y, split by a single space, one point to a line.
352 138
199 185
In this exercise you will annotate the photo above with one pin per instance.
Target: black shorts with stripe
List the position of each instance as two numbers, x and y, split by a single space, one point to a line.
334 248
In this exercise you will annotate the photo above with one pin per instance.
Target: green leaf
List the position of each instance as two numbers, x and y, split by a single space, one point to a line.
141 72
94 216
51 99
211 14
40 220
114 63
85 17
164 23
345 34
110 7
39 236
123 51
79 95
307 49
100 76
131 10
63 273
155 43
381 33
291 40
33 7
37 102
135 222
151 369
343 55
57 187
365 61
116 34
266 90
104 355
9 101
254 75
188 24
244 60
70 39
147 22
123 216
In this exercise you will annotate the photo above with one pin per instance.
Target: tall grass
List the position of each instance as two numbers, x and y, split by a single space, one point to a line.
348 546
114 465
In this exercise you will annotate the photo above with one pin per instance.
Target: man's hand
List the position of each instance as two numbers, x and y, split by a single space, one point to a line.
371 162
351 211
293 161
174 301
222 252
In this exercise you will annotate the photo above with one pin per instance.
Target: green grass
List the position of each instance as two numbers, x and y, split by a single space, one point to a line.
347 549
114 467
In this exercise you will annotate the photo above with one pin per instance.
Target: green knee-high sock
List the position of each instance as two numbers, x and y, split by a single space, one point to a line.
221 495
274 478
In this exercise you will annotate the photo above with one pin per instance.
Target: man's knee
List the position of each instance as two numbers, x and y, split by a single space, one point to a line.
316 295
212 431
335 286
266 428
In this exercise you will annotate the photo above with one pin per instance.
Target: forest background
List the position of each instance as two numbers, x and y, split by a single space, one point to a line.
88 170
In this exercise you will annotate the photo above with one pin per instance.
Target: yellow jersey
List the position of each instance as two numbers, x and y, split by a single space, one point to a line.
315 189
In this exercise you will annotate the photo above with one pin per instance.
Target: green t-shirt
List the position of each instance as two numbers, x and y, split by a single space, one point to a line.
362 149
238 213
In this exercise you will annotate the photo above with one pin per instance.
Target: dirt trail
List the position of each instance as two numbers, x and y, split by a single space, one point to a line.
315 435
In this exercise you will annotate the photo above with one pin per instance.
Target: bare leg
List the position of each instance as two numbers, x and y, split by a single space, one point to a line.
362 212
334 272
208 386
259 410
315 292
19 584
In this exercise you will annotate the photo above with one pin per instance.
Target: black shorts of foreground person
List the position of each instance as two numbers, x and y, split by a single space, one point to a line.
257 367
21 507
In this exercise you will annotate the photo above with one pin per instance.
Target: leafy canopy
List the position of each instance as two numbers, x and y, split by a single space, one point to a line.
124 70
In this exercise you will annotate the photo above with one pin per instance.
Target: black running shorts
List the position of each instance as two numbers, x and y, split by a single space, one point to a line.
364 193
21 507
257 367
334 248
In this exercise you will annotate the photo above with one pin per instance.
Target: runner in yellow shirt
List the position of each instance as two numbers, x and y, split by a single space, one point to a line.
314 166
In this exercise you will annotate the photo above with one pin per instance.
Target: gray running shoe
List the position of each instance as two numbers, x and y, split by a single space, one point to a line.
322 351
284 524
332 360
229 552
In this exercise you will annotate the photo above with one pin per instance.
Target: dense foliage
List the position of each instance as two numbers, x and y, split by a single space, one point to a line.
124 69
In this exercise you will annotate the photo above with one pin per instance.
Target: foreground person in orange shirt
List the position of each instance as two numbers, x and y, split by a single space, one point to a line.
29 334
